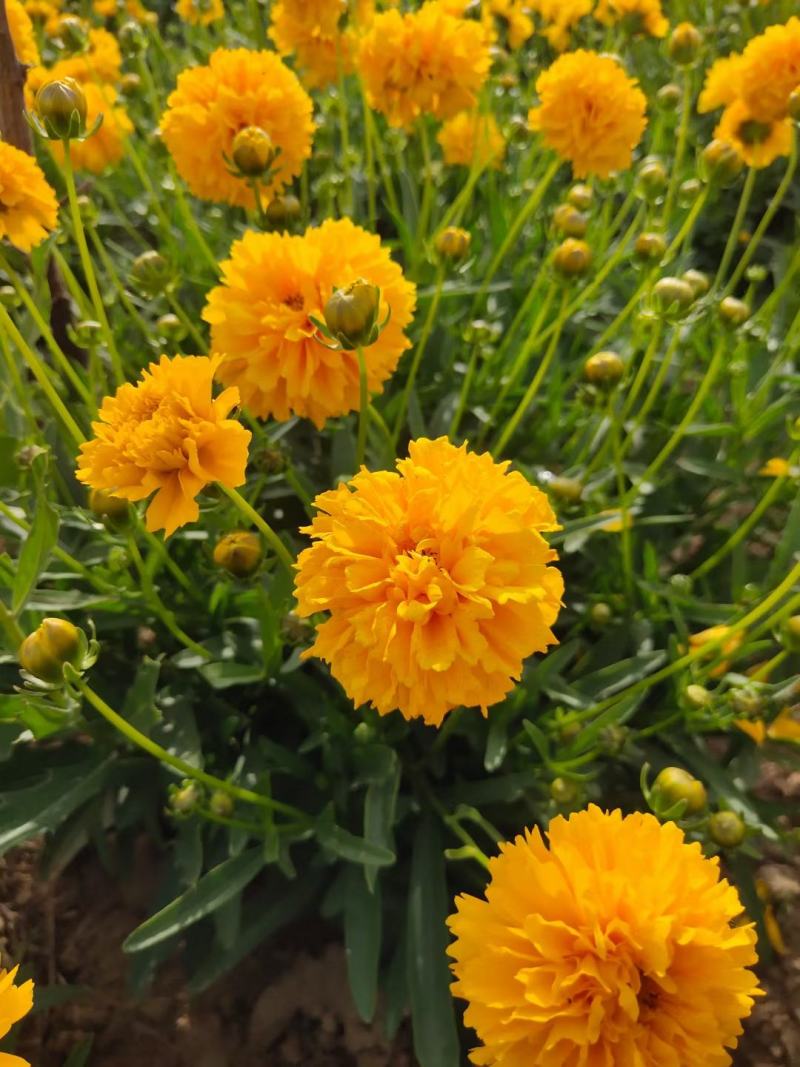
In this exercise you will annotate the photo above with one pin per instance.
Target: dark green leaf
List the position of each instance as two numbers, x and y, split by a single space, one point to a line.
35 551
362 939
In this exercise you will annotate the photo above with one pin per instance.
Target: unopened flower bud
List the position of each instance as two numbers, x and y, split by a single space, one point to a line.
697 696
351 314
253 151
151 274
747 702
282 209
185 799
581 196
44 652
452 243
239 553
221 804
61 106
72 35
722 163
684 44
9 297
170 327
652 178
566 489
669 96
673 297
756 273
650 247
603 368
568 220
699 282
572 258
132 39
726 829
612 739
564 791
601 613
111 510
732 311
674 785
688 191
790 634
130 84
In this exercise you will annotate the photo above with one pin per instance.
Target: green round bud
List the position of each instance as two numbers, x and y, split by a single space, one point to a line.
684 44
697 696
111 510
452 243
151 274
669 96
700 282
721 162
170 327
282 209
674 784
727 829
612 739
756 274
650 247
604 369
72 35
790 633
688 191
221 804
566 489
733 312
581 196
130 84
185 799
351 314
53 643
652 178
564 791
601 613
132 39
568 220
253 152
572 258
239 553
9 297
672 297
747 702
61 106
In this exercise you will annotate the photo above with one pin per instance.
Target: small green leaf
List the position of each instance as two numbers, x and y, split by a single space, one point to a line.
351 847
223 675
362 938
213 890
35 551
140 707
380 802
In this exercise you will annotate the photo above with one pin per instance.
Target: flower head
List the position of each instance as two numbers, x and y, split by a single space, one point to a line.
166 435
559 17
28 206
426 62
758 143
200 12
101 64
472 138
722 84
436 579
770 70
313 31
211 104
714 633
22 33
260 319
591 113
15 1003
614 945
106 146
640 16
513 16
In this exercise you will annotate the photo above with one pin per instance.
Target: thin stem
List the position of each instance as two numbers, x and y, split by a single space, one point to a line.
344 127
250 513
159 608
363 409
40 374
188 325
88 266
733 236
136 737
464 394
419 352
653 392
427 187
15 635
111 271
680 147
643 371
369 162
625 533
521 316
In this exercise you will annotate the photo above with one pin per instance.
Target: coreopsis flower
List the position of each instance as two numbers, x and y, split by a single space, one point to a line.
44 11
611 942
200 12
15 1003
101 64
106 146
758 143
513 16
591 113
559 18
776 467
212 103
722 85
640 16
23 35
436 579
426 62
472 138
703 637
28 205
770 70
260 319
314 32
169 436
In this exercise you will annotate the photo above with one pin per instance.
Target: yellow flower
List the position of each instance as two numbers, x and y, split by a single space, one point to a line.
101 64
784 727
426 62
518 23
758 143
770 70
591 113
436 581
777 467
722 85
211 104
15 1003
200 12
615 945
559 17
259 319
312 30
28 206
166 435
43 10
472 138
728 647
641 16
105 147
22 33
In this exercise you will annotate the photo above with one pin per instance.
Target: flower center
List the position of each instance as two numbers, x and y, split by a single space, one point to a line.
295 302
649 995
753 132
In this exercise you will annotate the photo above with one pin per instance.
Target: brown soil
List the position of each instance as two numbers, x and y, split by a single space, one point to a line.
286 1006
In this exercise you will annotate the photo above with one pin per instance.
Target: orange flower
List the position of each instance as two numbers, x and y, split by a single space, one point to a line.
312 30
591 113
22 33
559 18
758 143
260 320
436 579
166 435
777 467
615 945
770 70
426 62
101 64
15 1003
641 16
728 647
472 138
722 84
28 206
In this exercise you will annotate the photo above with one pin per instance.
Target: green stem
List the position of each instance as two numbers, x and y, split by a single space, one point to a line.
643 371
250 513
419 352
369 162
188 325
88 266
344 129
463 396
159 608
625 533
111 271
680 148
427 187
15 635
521 316
136 737
191 222
363 408
40 374
653 392
733 236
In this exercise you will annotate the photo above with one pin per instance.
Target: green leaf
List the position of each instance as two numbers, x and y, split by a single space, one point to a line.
213 890
140 701
79 1057
618 676
362 938
223 675
380 802
432 1014
35 551
351 847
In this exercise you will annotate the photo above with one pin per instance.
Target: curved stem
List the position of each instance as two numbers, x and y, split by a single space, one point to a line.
680 147
188 325
159 608
427 188
261 524
419 352
733 236
363 408
653 392
641 374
